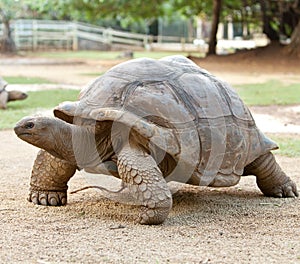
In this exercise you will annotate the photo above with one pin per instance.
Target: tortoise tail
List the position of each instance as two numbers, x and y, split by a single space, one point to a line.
270 178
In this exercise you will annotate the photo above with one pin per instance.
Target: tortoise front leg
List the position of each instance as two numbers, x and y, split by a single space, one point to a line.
145 183
270 178
49 178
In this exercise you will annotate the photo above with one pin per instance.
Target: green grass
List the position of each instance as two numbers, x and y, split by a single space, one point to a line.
103 55
93 74
36 101
288 145
25 80
270 93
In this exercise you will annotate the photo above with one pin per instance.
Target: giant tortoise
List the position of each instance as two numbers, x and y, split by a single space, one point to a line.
8 96
149 122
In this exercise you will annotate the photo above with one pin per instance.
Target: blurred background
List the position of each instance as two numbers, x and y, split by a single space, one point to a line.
205 27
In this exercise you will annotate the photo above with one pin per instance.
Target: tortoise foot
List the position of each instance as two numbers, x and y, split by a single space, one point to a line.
154 216
270 178
288 189
49 198
49 178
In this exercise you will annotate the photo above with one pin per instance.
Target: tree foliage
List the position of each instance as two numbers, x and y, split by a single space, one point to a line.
92 10
277 18
8 10
281 19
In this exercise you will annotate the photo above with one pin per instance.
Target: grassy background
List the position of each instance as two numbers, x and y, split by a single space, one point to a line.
269 93
107 55
288 145
274 93
25 80
36 102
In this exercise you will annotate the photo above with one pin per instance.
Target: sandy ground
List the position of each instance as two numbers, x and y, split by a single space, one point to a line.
206 225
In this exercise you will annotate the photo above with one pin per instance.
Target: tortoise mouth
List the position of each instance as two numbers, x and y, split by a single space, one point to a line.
19 130
24 134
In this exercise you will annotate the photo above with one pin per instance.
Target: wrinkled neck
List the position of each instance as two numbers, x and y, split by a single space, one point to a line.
83 145
90 149
80 146
61 144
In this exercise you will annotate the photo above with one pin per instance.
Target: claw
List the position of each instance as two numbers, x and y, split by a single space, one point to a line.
278 194
43 199
52 200
290 190
63 198
287 190
48 198
34 198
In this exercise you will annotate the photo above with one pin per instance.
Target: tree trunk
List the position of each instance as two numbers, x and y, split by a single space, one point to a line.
271 33
217 4
294 47
7 42
289 21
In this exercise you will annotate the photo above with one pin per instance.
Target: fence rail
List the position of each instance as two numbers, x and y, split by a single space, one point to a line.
44 34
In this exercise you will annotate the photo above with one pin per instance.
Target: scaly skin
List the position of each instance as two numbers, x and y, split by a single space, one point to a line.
146 183
49 178
271 180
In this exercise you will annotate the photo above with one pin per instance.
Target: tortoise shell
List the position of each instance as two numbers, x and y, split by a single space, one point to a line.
198 119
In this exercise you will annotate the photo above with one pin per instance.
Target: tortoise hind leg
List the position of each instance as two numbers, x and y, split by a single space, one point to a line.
49 178
145 183
270 178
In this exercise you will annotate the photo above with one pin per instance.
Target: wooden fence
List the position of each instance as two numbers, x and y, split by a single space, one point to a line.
45 34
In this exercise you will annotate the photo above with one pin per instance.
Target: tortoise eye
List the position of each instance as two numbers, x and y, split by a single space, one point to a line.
29 125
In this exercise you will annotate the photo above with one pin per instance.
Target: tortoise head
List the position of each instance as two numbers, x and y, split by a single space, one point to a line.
16 95
47 133
75 144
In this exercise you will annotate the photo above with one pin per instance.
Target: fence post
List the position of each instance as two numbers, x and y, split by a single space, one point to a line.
34 35
182 41
75 37
16 34
146 42
107 37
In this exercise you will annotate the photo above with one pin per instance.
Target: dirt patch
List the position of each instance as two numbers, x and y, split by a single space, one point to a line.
254 66
277 119
62 71
206 225
269 59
